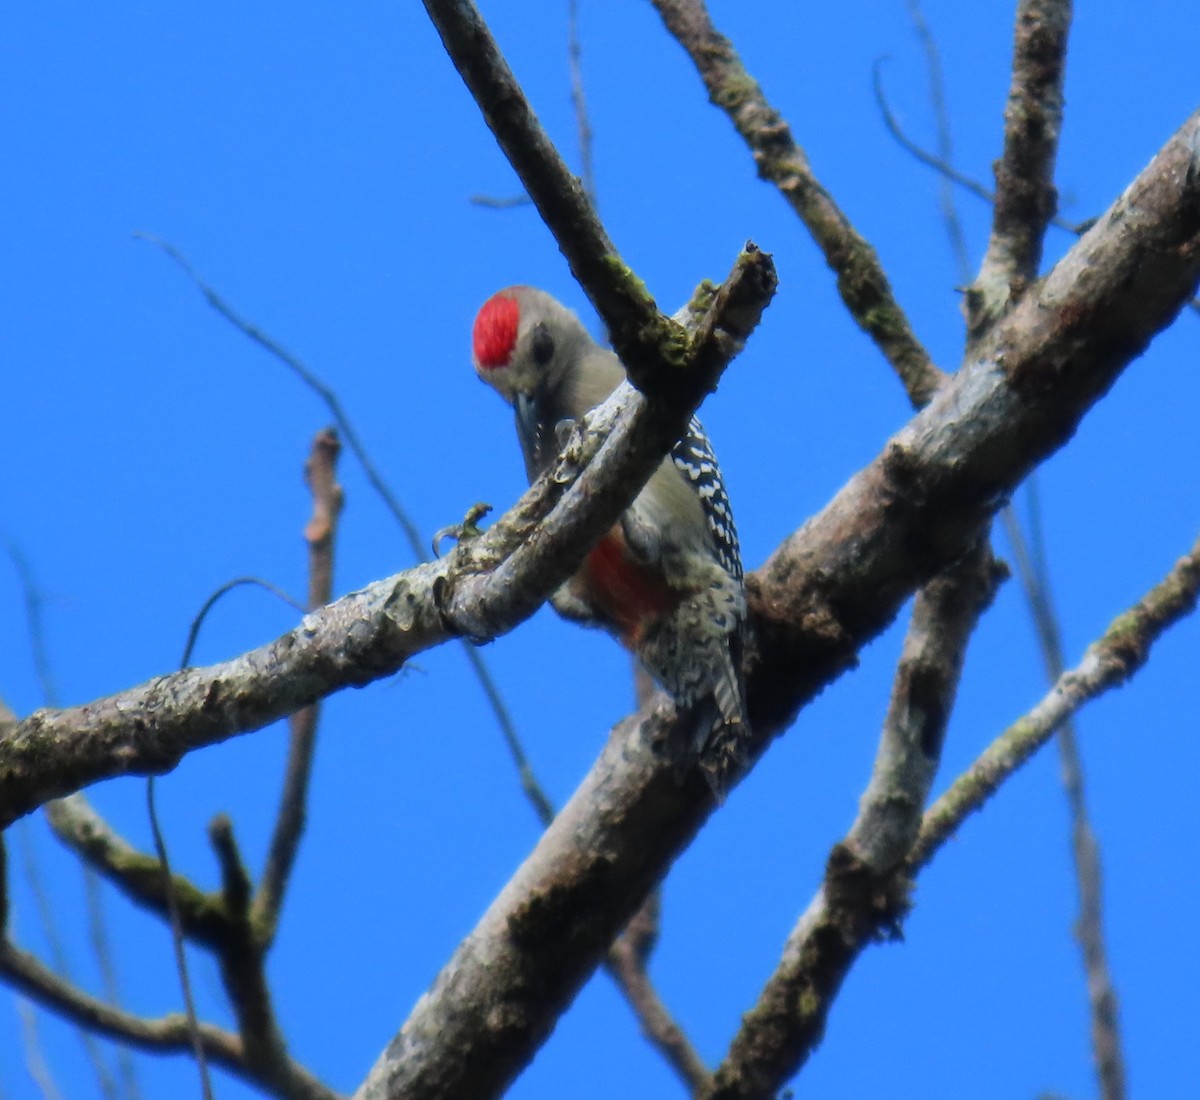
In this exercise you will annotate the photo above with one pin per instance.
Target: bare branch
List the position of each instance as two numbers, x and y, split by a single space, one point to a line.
861 280
319 533
178 945
168 1034
627 963
484 587
945 141
641 336
136 874
1109 662
35 602
863 898
1025 193
583 126
829 588
942 166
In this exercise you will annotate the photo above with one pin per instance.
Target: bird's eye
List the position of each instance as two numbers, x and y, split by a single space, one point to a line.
542 345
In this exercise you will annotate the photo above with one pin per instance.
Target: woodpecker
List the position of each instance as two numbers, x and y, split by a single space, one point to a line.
666 580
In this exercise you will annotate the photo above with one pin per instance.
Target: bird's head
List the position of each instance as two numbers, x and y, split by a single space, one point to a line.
523 342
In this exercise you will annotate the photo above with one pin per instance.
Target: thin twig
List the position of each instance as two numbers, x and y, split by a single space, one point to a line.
102 949
35 1058
492 202
411 532
579 102
1109 662
861 280
177 943
945 139
968 183
217 595
627 964
943 167
1102 998
35 604
320 473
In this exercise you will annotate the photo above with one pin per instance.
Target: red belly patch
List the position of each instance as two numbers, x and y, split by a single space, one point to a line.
624 591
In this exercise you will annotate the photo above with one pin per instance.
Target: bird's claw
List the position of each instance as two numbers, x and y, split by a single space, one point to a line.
461 532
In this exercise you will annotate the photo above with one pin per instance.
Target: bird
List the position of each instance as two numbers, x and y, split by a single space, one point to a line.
666 579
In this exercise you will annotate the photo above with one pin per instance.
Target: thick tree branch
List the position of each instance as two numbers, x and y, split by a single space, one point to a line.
843 576
825 592
1025 196
861 280
864 898
485 587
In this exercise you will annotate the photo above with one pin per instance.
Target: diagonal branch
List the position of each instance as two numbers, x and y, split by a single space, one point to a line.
826 591
861 280
168 1034
641 336
863 897
1109 662
485 587
1085 849
829 588
627 963
1025 194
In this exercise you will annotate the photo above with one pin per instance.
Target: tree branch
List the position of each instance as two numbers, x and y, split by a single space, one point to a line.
627 963
1025 195
861 280
166 1035
484 587
641 336
1085 850
863 897
320 474
1109 662
825 592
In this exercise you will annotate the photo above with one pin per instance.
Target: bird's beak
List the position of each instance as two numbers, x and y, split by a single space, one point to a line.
527 425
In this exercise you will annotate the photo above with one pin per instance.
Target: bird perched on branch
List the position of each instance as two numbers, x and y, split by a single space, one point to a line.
666 579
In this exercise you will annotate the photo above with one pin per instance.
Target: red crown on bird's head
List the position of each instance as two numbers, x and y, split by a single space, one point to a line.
494 334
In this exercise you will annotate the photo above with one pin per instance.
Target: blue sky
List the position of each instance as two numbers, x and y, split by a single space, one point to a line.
315 164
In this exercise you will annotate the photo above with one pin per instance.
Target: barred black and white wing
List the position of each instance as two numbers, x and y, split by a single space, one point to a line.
693 457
